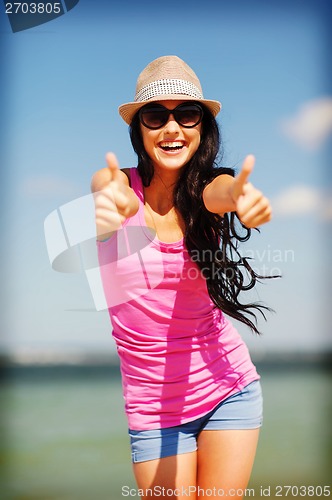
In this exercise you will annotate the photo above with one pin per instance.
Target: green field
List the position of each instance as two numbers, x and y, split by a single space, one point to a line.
64 435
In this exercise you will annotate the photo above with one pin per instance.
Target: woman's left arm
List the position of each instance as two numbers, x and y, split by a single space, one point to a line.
235 194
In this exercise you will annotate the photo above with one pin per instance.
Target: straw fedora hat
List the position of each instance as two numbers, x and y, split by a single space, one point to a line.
166 78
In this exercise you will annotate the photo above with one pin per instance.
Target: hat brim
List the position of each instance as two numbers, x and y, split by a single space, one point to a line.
128 110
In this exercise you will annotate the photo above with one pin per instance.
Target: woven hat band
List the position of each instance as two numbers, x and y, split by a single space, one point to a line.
168 86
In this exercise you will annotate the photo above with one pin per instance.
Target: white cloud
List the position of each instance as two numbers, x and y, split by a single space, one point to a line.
311 125
298 200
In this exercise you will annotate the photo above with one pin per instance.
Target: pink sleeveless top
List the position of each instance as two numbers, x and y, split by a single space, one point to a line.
179 355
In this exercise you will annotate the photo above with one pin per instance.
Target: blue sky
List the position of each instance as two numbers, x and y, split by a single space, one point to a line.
62 84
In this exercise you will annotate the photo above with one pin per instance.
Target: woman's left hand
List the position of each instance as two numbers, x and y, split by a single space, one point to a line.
251 206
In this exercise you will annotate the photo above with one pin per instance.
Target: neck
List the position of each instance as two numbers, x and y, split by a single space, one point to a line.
159 195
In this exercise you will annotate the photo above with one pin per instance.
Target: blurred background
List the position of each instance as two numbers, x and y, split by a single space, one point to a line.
63 429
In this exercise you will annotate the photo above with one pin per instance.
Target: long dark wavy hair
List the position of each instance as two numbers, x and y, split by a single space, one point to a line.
212 240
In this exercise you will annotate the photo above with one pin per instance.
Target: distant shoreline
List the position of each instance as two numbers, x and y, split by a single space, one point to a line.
100 366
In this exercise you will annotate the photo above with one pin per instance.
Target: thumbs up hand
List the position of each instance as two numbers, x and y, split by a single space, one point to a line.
252 207
228 194
114 199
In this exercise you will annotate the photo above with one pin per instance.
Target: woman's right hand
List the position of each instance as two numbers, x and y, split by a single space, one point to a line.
114 199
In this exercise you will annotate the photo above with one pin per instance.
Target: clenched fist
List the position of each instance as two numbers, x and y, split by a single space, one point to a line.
235 194
114 199
252 207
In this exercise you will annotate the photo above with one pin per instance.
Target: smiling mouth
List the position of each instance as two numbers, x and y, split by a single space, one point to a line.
171 146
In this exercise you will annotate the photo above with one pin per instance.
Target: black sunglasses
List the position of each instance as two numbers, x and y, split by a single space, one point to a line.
155 116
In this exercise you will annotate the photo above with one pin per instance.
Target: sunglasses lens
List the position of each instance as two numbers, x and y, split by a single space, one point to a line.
188 115
154 117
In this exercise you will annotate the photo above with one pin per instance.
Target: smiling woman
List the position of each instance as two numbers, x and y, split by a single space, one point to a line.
193 396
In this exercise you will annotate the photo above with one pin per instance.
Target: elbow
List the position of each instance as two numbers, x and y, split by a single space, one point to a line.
206 198
210 203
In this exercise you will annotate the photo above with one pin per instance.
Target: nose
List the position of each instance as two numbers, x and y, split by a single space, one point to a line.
171 125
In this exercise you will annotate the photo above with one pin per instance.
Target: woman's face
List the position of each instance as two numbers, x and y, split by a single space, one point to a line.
171 146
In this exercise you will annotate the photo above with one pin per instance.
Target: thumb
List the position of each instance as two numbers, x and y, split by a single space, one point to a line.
113 166
242 178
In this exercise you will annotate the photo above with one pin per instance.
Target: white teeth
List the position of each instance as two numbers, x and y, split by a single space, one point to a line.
175 144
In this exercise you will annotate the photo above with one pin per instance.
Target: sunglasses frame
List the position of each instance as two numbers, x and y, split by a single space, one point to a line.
167 112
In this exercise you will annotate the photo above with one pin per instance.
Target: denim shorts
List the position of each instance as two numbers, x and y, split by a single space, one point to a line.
243 410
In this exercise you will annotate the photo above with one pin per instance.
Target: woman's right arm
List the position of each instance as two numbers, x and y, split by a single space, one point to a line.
115 201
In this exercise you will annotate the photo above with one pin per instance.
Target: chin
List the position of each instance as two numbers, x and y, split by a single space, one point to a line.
172 163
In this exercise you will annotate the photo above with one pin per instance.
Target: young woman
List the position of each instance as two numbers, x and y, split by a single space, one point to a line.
167 242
